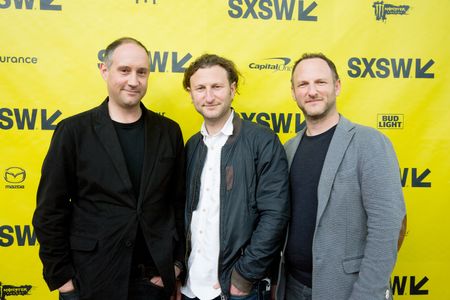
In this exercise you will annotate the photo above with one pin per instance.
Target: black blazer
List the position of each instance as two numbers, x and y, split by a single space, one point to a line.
87 216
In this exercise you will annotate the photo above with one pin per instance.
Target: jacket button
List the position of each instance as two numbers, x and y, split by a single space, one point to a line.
128 243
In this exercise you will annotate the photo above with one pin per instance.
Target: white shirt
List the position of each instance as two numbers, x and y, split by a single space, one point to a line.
204 258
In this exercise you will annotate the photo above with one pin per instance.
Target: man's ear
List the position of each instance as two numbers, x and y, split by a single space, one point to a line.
103 70
337 87
233 89
188 89
293 93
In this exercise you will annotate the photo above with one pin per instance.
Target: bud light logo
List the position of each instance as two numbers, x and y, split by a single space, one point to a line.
390 121
382 9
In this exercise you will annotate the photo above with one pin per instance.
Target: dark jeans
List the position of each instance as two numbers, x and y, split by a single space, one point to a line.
260 291
143 289
296 290
139 289
73 295
252 296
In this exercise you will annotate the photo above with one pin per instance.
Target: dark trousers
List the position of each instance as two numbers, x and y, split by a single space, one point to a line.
260 291
143 289
251 296
296 290
140 288
73 295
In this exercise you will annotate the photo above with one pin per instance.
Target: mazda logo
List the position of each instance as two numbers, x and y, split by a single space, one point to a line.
15 175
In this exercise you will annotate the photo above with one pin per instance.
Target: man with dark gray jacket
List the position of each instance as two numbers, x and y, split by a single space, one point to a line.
237 190
347 201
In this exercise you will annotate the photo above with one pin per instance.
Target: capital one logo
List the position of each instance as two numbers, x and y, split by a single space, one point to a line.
31 4
15 175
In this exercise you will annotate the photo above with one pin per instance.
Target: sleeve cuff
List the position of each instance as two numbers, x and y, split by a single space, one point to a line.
240 282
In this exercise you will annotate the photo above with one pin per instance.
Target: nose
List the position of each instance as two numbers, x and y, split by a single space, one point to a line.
209 95
133 79
312 90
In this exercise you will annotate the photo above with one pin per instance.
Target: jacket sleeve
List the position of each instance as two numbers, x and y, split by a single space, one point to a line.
383 202
179 198
273 207
51 218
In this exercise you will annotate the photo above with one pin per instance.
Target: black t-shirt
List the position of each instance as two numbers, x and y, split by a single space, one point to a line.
304 178
132 141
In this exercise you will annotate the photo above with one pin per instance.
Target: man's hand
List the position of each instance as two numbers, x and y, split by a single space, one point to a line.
234 291
177 272
67 287
157 280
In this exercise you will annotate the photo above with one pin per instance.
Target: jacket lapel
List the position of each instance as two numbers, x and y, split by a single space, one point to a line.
106 133
292 145
152 142
336 151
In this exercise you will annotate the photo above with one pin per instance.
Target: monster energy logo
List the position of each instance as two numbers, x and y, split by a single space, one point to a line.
381 10
13 290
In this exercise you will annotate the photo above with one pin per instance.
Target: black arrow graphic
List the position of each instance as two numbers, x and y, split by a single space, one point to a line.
417 181
47 123
303 14
421 71
415 289
177 66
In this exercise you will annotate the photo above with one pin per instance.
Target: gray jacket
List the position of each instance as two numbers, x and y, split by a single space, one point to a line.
359 216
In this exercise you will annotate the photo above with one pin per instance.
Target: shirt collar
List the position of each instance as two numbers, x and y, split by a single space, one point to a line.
227 128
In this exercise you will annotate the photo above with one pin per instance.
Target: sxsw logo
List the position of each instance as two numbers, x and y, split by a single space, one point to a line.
19 235
272 64
362 67
31 4
279 122
413 177
14 290
289 10
382 9
390 121
416 285
162 61
26 118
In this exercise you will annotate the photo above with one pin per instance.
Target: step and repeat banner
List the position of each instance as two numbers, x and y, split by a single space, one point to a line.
392 56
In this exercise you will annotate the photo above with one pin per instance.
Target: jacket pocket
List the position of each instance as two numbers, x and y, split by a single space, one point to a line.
352 265
82 244
229 176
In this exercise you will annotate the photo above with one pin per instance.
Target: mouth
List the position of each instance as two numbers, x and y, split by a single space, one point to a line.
210 105
134 92
313 101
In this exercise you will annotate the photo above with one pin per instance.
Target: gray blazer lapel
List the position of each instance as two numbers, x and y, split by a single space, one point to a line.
106 133
291 146
336 151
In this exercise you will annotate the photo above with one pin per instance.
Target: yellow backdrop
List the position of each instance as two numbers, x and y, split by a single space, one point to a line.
392 57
